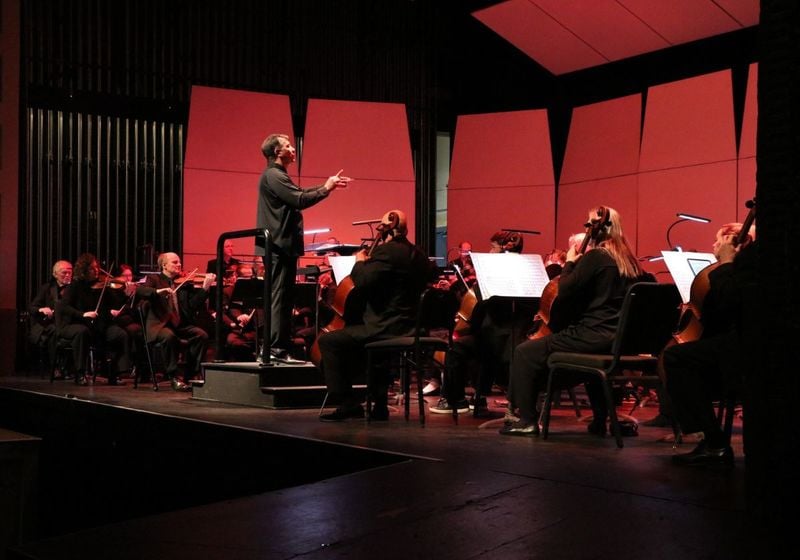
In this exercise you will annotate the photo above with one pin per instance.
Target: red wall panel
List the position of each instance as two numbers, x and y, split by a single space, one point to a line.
370 142
223 164
689 122
502 176
226 128
703 190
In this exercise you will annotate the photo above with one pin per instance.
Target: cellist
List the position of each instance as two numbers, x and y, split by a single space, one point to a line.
597 281
698 370
390 280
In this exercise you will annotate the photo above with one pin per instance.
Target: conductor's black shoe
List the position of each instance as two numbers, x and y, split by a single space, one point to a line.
343 413
523 429
178 385
704 456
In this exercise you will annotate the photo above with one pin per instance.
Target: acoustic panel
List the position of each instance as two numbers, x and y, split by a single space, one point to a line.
226 128
603 140
703 190
217 201
577 199
363 200
689 122
367 140
502 150
482 212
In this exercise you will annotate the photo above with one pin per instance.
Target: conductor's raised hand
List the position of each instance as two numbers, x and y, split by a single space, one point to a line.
337 181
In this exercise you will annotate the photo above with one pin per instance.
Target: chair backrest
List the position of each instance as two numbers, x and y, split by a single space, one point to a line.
437 311
648 318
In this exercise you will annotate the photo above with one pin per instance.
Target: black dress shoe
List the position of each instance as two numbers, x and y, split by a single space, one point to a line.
520 428
115 381
178 385
343 413
705 456
81 380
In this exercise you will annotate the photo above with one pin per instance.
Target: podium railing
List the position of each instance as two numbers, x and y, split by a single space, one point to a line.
267 298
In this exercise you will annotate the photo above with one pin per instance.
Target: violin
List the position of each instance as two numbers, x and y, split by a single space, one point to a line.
346 305
690 326
554 314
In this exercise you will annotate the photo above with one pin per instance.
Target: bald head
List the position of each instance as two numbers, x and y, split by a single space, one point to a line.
170 264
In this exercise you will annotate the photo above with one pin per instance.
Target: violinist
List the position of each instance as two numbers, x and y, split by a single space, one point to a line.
122 305
42 308
279 204
229 262
597 281
483 354
239 321
391 280
82 318
699 370
174 304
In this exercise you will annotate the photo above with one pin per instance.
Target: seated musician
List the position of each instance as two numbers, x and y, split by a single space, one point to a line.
82 319
43 306
484 353
173 307
391 280
229 262
239 321
700 370
598 280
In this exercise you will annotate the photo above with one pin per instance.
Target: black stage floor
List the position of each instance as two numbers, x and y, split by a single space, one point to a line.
442 491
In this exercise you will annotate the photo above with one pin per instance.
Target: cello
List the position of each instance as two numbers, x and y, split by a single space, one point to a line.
346 306
690 326
554 314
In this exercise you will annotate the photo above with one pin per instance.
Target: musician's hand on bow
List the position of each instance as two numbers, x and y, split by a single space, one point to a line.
361 256
130 289
726 250
573 255
337 181
243 320
90 315
161 291
208 280
46 311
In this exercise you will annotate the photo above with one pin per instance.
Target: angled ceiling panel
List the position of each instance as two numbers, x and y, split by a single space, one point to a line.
568 35
539 36
681 21
630 36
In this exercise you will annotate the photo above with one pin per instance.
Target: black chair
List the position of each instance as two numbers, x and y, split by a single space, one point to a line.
437 310
647 319
149 349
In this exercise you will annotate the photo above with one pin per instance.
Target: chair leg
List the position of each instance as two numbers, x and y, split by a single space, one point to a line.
325 401
571 393
368 401
548 403
420 396
612 412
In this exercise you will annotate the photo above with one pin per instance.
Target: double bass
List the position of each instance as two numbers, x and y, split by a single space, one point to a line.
346 306
553 314
690 326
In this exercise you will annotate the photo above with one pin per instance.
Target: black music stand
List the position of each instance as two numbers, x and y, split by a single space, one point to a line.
249 293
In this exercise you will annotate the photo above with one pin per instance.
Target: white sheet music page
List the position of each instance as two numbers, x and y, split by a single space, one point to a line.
341 266
510 274
684 266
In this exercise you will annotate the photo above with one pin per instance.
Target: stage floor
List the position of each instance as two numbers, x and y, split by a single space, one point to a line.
460 491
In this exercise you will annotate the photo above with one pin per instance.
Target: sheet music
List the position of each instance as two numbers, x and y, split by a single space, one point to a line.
510 274
341 266
684 266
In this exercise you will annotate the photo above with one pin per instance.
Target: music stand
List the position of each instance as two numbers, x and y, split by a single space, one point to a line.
510 276
684 266
249 293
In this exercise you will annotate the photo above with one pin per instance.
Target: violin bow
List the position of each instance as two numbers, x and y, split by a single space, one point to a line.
188 277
